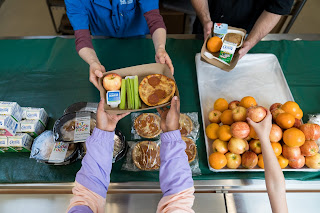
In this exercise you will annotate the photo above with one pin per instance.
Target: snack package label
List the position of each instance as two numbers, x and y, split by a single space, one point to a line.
227 51
220 29
32 127
3 141
21 142
40 114
11 108
8 125
59 152
82 128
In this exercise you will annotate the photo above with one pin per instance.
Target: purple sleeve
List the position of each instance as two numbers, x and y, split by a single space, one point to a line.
96 165
175 172
80 209
83 39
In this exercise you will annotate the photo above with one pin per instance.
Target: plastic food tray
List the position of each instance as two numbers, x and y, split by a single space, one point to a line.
256 75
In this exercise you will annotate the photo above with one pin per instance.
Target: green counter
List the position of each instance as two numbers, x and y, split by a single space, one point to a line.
49 73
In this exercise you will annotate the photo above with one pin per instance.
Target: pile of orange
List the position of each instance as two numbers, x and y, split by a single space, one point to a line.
288 116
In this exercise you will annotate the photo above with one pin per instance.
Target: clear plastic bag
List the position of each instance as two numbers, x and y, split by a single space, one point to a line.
192 152
144 127
194 132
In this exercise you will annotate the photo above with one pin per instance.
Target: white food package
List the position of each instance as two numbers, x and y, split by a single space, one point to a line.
30 113
8 125
20 142
32 127
11 108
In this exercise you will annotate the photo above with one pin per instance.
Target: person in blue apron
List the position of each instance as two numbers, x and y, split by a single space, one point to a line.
115 18
258 18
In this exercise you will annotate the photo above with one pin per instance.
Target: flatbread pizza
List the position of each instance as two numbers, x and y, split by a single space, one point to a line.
147 125
186 125
191 149
146 155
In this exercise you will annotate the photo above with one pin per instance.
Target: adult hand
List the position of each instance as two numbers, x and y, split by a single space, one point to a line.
262 128
162 57
207 29
106 121
247 45
96 71
170 117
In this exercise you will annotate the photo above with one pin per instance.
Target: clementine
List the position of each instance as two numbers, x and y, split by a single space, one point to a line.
253 133
294 137
248 101
283 162
277 148
290 107
221 104
226 117
285 120
217 160
260 161
212 131
214 44
299 114
224 133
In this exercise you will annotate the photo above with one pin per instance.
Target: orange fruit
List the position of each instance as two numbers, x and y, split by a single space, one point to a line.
248 101
221 104
283 162
277 148
224 133
252 133
299 114
260 161
226 117
290 107
217 160
285 120
294 137
212 131
214 44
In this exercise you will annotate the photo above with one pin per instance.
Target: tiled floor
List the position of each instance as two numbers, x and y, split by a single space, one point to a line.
31 17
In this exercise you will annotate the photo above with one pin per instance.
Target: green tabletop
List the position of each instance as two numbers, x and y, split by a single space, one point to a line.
49 73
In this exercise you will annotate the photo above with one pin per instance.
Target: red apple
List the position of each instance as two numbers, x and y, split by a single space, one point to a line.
255 146
291 153
298 163
276 112
249 160
313 161
297 123
112 82
309 148
220 146
234 104
240 130
256 113
214 116
275 106
311 131
237 146
275 133
233 160
239 114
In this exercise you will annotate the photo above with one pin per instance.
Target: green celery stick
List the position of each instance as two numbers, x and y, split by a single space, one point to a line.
136 93
123 95
132 93
129 93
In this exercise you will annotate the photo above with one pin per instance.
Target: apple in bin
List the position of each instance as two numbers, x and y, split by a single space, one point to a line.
313 161
249 160
276 112
275 133
298 163
311 131
220 146
240 130
309 148
256 113
291 153
297 123
275 106
255 146
239 114
233 160
214 116
238 146
234 104
112 82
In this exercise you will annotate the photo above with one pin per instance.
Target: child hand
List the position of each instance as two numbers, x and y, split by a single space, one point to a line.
262 128
170 117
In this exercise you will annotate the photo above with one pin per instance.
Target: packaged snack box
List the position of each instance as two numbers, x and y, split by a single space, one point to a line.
32 127
8 125
21 142
11 108
30 113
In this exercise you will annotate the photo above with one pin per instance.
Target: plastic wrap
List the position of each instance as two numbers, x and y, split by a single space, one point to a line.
149 128
184 120
74 127
81 106
315 119
42 149
192 152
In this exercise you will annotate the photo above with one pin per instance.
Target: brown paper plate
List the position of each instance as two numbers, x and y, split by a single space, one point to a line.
141 71
217 63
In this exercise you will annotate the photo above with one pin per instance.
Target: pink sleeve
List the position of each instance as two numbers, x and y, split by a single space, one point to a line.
85 197
181 202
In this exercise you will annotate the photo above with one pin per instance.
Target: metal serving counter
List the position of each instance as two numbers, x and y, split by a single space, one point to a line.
224 195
